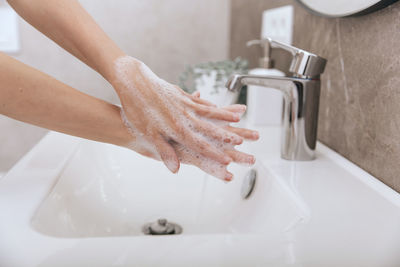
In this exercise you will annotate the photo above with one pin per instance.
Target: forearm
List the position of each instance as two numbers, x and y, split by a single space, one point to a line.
71 27
28 95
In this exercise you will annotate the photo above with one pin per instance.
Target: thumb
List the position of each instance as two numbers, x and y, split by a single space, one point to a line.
167 154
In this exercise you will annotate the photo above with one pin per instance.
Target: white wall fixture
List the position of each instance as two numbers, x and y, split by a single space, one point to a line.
277 24
9 37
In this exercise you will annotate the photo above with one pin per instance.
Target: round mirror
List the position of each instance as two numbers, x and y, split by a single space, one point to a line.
344 8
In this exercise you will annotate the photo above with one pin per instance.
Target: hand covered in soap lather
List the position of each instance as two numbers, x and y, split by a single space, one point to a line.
170 125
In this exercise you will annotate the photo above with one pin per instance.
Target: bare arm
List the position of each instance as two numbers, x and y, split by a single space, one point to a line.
71 27
31 96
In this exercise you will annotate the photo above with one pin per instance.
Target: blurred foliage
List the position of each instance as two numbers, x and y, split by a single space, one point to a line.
224 69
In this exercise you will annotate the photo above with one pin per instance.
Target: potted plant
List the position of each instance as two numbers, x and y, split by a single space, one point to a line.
210 78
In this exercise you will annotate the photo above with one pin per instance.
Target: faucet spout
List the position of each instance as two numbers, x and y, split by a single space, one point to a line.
300 111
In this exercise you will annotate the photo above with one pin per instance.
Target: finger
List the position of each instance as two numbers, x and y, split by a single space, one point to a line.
217 170
196 94
237 108
240 157
196 98
198 144
211 167
167 154
216 113
228 176
245 133
148 154
217 133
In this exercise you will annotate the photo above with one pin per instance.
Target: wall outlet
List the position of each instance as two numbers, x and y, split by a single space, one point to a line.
9 37
277 24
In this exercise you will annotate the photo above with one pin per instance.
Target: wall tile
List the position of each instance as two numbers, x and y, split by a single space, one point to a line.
359 111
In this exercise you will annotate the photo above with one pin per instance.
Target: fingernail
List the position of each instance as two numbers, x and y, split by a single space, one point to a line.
256 135
228 177
243 110
227 160
240 141
172 165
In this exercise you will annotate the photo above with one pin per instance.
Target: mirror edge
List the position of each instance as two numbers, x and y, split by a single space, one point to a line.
379 5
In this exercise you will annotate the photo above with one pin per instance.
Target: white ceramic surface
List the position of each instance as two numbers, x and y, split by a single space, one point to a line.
72 202
264 105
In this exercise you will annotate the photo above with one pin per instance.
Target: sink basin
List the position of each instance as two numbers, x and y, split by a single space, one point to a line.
109 191
73 202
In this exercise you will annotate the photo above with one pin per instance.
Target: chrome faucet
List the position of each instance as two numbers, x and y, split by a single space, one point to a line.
301 100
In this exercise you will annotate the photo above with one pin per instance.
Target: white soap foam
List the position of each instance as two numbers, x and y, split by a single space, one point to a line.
147 89
140 144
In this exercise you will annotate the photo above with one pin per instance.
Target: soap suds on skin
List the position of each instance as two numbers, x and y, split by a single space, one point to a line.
167 91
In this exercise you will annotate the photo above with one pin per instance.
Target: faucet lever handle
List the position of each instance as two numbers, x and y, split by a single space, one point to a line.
304 64
254 42
291 49
265 61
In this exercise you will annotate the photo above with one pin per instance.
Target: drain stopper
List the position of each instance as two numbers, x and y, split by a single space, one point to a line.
162 227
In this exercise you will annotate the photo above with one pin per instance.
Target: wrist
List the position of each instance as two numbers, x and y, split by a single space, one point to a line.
124 70
107 64
122 135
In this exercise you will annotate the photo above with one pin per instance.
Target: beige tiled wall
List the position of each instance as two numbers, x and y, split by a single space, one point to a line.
360 111
166 35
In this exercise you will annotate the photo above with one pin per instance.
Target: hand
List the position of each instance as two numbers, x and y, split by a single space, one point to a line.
212 167
247 134
170 125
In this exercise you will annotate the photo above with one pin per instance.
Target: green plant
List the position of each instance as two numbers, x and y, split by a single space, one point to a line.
223 69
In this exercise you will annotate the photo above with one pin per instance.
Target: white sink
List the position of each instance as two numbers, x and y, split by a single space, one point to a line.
108 191
72 202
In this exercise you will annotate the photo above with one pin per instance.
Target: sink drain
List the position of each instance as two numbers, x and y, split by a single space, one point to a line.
161 227
248 184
